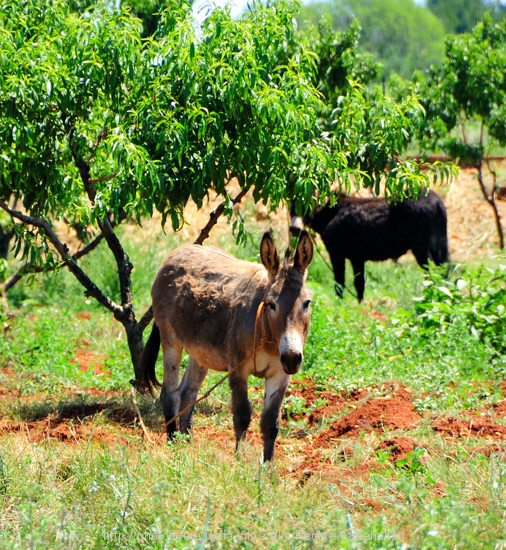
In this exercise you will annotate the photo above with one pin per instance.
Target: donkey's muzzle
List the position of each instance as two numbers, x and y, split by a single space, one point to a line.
291 361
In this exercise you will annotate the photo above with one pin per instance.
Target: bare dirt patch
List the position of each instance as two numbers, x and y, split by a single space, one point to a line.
471 227
375 414
385 410
475 427
91 361
394 410
331 403
67 431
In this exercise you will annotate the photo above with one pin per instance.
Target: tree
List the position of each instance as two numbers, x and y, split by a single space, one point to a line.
368 125
460 16
402 36
469 91
99 126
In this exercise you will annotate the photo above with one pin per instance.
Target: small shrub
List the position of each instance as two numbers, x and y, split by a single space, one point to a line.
476 301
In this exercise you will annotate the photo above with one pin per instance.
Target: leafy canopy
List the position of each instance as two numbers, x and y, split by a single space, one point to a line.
465 101
94 119
150 124
368 125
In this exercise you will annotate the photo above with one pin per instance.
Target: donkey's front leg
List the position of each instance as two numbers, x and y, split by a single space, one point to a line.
275 388
169 396
338 266
241 407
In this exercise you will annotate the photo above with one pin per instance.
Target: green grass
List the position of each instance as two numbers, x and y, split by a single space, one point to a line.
181 496
440 338
176 493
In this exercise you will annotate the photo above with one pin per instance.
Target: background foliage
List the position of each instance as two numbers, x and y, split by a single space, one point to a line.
464 104
402 35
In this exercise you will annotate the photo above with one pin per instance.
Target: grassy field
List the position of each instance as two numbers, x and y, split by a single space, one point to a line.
393 435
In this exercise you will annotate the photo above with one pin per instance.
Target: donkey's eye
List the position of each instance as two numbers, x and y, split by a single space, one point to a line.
271 306
305 306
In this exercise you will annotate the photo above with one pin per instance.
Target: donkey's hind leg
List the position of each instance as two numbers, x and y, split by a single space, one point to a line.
169 396
192 380
421 254
359 277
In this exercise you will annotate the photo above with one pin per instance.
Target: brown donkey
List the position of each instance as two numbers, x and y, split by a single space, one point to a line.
229 315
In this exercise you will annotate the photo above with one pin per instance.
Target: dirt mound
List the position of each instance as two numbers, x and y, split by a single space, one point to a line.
480 425
317 404
398 448
500 410
476 427
67 432
375 414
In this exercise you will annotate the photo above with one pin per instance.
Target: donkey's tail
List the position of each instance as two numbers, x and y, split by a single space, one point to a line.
147 380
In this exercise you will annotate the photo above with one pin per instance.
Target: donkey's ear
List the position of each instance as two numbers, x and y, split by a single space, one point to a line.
304 252
269 255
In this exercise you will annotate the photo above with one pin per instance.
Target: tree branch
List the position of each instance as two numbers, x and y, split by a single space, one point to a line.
121 257
103 179
20 273
62 249
146 319
88 248
30 268
100 136
215 215
490 199
122 261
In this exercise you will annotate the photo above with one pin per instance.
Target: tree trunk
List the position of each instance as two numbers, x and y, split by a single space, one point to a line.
134 330
490 198
135 346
